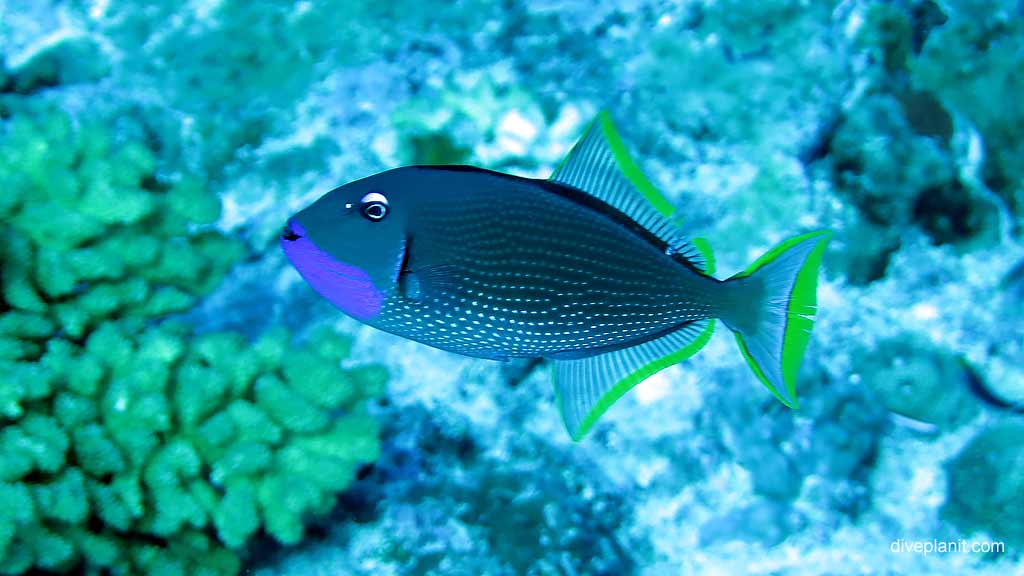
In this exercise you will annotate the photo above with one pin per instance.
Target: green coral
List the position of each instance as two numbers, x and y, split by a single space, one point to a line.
92 231
130 444
170 455
986 484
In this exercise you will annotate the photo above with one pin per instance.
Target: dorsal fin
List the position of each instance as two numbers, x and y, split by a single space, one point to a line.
600 165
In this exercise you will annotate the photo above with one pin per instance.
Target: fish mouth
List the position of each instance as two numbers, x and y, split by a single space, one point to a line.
347 286
289 234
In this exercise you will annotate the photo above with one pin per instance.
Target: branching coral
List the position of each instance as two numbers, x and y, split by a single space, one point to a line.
149 450
92 233
133 446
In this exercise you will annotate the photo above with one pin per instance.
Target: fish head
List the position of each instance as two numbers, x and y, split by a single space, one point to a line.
350 244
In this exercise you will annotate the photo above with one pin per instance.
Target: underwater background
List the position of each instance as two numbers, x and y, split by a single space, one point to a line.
174 399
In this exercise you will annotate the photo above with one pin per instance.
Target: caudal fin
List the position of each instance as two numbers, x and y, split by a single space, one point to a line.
771 311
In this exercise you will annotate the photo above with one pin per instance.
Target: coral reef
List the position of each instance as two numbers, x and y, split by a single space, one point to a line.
898 177
758 120
972 62
497 513
150 423
483 118
139 447
781 452
986 484
896 153
242 91
715 47
155 451
914 378
93 231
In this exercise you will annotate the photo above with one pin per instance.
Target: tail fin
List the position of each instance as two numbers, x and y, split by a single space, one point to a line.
772 311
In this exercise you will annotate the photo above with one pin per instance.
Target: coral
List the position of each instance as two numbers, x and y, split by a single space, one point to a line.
916 379
94 230
504 122
889 122
880 166
862 249
489 512
129 444
891 36
843 444
896 153
887 35
696 73
150 450
986 484
972 62
232 78
241 89
510 506
898 177
780 448
256 103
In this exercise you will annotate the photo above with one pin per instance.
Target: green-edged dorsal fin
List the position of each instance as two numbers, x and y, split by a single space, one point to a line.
600 165
587 387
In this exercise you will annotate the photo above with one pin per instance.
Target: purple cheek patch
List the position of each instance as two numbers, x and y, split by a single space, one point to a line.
347 287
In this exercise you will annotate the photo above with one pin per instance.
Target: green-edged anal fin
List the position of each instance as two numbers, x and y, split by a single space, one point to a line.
585 388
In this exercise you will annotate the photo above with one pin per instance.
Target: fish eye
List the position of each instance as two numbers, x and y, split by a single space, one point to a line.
374 206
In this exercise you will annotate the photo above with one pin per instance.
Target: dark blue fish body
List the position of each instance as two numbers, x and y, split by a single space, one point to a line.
512 267
582 268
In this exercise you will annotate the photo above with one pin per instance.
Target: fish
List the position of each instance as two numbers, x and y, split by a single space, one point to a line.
588 269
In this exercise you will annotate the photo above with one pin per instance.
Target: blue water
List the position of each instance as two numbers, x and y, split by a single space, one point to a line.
894 124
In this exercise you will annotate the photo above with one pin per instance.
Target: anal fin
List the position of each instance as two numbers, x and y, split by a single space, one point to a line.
586 387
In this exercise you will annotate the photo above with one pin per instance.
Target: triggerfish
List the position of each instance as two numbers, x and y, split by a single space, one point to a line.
587 268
